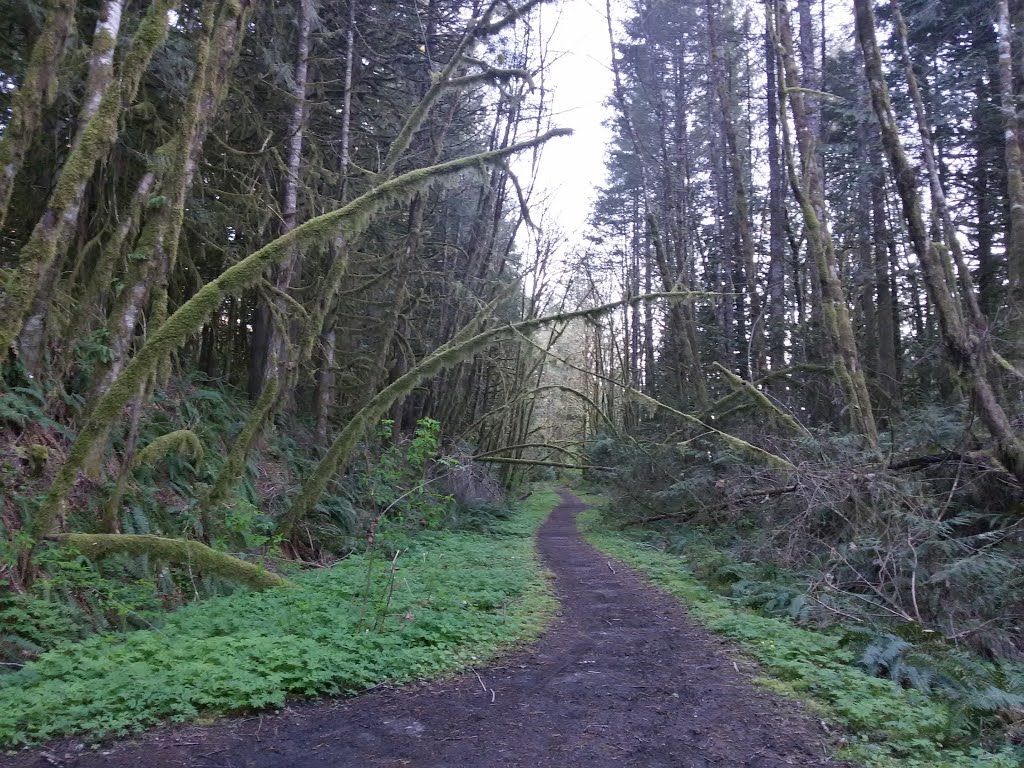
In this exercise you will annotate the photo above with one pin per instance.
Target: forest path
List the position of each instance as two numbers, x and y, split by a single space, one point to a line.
623 678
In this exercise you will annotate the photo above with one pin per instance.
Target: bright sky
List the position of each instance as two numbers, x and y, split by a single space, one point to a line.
579 81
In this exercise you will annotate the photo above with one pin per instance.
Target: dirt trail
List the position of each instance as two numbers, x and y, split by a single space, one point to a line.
624 678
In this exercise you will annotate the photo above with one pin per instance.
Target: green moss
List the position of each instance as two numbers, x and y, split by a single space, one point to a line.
97 138
37 91
183 441
180 551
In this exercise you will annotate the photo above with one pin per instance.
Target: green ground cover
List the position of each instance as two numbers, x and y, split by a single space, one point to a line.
449 601
886 725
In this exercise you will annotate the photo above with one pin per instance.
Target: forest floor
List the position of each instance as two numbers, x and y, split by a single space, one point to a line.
623 678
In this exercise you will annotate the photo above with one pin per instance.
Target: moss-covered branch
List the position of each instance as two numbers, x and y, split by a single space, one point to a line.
757 397
190 317
521 446
535 391
540 463
183 441
465 344
182 551
757 454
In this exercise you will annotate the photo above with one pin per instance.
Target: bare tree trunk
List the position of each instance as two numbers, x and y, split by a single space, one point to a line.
810 78
866 275
985 131
681 325
887 319
329 339
276 345
740 212
776 212
940 206
1014 181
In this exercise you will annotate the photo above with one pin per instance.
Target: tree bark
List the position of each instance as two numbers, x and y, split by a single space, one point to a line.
37 91
740 209
1014 180
966 350
49 236
810 194
276 345
938 193
776 318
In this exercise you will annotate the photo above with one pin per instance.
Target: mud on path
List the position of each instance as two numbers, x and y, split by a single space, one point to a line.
623 678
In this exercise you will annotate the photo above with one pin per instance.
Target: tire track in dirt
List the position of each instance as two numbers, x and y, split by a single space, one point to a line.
623 678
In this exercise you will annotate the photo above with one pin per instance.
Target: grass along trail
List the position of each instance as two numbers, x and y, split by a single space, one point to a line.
882 724
623 678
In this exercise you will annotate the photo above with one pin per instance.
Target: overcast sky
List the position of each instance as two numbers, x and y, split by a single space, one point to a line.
579 81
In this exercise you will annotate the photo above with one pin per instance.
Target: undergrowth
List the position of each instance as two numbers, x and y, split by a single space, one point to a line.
888 725
448 601
399 486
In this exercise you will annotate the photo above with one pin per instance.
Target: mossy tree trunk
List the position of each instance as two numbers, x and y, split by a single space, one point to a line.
50 234
810 194
37 90
175 165
965 345
32 337
194 313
